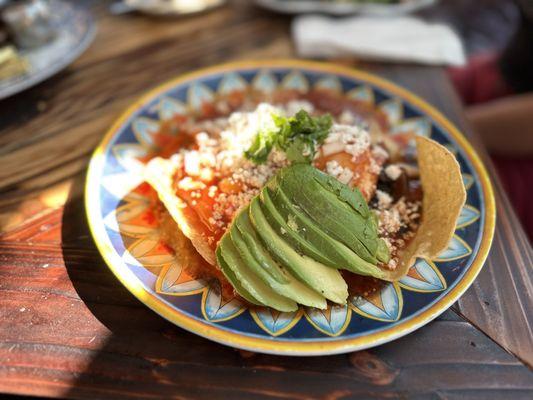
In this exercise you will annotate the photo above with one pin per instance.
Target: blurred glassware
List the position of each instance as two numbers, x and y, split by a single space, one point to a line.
30 23
164 7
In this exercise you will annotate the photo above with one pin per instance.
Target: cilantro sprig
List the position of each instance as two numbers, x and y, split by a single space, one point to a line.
297 136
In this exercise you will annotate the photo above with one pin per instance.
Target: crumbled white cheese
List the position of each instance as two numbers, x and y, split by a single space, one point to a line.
188 183
177 159
329 148
375 167
394 216
204 140
348 138
380 153
398 214
336 170
346 176
389 221
392 264
192 163
206 174
393 171
384 199
212 191
243 127
333 168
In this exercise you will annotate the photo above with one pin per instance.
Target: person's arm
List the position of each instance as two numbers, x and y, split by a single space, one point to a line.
505 125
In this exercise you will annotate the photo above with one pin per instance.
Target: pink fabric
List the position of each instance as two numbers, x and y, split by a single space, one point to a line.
517 177
480 80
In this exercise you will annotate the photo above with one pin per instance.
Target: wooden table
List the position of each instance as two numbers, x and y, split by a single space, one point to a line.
69 329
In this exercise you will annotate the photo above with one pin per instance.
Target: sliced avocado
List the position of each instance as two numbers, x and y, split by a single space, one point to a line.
309 180
230 276
334 216
294 289
383 252
249 280
326 281
353 197
243 224
342 256
291 236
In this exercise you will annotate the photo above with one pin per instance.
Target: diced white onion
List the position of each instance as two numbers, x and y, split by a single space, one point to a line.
332 148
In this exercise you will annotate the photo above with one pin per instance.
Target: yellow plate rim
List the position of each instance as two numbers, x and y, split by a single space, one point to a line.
277 345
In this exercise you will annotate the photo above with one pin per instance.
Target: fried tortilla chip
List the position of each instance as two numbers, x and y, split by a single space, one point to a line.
444 197
159 173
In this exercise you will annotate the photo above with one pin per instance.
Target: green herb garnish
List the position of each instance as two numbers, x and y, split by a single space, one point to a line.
297 136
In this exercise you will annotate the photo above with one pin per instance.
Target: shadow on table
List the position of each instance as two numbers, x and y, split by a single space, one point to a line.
137 342
142 355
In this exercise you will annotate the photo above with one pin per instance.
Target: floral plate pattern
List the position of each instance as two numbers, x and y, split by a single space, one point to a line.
127 235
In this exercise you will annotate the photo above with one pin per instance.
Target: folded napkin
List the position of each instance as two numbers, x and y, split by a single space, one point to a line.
387 39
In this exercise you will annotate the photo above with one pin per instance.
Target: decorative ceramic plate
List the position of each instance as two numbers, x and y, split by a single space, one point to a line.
344 7
127 236
76 31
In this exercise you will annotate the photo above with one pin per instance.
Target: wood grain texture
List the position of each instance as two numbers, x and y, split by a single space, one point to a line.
69 329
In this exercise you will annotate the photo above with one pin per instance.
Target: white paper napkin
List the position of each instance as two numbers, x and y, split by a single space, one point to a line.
393 39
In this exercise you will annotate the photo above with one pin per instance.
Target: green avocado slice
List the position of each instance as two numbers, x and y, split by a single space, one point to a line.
249 281
294 289
243 224
325 280
383 252
334 216
230 276
341 255
293 237
354 198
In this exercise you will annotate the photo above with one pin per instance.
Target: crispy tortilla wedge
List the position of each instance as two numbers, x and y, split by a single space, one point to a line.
444 197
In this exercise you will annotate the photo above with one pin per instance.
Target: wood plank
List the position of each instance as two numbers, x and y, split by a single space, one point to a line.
155 364
499 302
